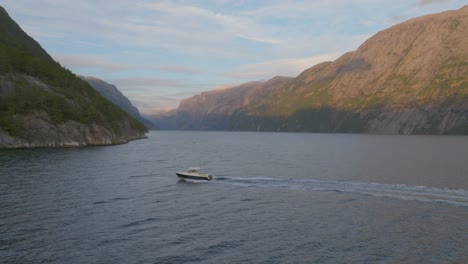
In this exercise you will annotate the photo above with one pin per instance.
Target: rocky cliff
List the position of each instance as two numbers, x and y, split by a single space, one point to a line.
44 105
410 78
112 93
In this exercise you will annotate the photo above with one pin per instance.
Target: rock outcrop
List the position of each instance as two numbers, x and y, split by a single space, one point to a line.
39 131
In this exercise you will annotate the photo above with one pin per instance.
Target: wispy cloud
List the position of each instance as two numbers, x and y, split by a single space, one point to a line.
148 82
198 18
90 61
428 2
224 86
286 67
180 69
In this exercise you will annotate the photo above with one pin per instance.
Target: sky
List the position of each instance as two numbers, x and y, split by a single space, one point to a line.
159 52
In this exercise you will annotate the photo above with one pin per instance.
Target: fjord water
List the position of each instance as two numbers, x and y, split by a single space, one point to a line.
276 198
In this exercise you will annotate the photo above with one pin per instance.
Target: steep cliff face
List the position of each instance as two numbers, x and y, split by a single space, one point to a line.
45 105
403 66
112 93
410 78
40 131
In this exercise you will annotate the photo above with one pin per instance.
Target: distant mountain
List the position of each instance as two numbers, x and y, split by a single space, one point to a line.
409 79
44 105
214 110
112 93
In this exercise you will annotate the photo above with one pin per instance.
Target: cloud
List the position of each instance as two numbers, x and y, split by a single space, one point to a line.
224 86
90 61
398 18
286 67
192 17
277 29
180 69
429 2
148 82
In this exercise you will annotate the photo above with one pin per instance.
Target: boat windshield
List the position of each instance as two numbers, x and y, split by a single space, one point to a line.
193 169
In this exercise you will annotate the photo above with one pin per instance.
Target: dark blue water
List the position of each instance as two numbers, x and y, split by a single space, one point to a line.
277 198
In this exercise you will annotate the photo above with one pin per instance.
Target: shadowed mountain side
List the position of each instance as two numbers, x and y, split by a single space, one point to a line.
113 94
441 120
312 120
410 78
324 120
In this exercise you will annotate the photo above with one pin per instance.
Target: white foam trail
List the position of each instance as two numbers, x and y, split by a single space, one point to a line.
400 191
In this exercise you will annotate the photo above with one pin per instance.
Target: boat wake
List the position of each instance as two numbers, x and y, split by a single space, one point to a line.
400 191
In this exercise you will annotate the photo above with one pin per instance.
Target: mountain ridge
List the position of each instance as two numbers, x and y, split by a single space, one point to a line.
409 78
113 94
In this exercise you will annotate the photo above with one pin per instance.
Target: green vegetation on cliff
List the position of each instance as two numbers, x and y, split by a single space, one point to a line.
33 84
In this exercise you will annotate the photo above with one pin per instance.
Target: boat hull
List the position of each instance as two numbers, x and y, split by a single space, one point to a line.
183 176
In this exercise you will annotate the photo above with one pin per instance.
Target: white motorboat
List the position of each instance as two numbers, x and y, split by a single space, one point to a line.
194 174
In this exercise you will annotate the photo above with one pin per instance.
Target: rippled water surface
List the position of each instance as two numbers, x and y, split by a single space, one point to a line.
276 198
